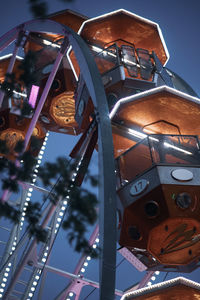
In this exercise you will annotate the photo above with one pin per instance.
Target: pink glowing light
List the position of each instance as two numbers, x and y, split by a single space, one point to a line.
33 95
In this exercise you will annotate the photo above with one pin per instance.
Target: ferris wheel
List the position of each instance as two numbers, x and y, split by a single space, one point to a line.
105 79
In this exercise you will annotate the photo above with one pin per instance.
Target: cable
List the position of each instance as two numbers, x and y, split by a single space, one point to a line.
90 293
123 259
165 276
115 269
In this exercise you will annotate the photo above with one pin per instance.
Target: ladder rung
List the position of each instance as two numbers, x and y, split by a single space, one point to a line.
18 292
2 242
22 282
28 269
5 228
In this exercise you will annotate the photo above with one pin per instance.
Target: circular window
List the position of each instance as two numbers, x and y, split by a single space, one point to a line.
151 209
134 233
183 200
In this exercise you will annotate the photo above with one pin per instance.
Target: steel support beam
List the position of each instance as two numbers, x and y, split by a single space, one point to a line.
107 184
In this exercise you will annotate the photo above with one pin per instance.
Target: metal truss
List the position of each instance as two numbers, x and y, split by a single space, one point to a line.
24 258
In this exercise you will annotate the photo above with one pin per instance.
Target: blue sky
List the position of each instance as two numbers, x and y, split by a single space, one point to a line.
180 23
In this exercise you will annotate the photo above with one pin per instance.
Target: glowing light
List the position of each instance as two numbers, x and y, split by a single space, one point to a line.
71 294
82 270
49 43
30 294
33 95
153 278
176 148
157 272
71 64
137 133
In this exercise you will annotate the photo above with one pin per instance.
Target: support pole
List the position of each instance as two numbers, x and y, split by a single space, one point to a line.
29 252
12 63
45 93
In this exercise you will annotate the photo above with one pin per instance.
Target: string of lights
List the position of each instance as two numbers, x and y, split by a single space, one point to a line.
7 268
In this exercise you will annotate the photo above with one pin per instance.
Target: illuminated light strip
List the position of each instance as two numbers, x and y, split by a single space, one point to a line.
33 95
22 219
88 258
143 136
20 94
153 278
176 148
165 284
9 55
35 283
49 43
37 276
105 51
71 64
135 16
57 225
4 280
151 92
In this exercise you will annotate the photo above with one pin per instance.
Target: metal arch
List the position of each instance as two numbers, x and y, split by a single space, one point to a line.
106 158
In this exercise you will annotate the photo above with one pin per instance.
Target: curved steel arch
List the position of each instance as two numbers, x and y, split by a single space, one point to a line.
107 185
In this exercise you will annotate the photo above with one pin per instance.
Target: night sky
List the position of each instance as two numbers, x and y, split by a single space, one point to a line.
180 22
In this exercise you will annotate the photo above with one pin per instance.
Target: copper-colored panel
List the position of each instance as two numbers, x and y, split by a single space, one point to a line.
177 292
69 18
12 136
159 108
125 26
65 17
169 233
62 109
4 65
135 216
59 109
121 144
13 129
173 242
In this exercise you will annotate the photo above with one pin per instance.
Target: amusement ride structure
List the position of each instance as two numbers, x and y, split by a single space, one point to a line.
105 79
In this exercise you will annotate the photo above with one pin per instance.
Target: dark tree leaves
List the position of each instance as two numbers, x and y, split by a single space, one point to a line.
38 8
29 75
8 84
9 212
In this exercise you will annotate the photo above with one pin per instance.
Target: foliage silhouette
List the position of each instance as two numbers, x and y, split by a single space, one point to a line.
81 211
